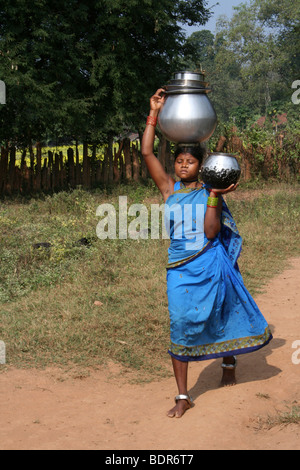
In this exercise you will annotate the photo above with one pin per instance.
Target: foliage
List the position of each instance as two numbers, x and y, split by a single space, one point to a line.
252 61
86 69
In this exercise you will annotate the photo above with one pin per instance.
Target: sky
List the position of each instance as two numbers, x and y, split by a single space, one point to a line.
225 7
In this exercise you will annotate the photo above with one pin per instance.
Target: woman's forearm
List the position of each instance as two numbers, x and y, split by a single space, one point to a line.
149 136
212 222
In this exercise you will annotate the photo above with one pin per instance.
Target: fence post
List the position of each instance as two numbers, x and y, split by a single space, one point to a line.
38 178
56 172
162 147
110 159
127 155
71 168
86 167
3 169
135 163
32 178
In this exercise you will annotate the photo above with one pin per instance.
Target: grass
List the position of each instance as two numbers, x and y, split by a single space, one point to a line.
281 418
48 314
291 416
269 225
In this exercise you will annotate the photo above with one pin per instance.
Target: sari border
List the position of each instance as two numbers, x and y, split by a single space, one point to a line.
216 350
184 190
184 261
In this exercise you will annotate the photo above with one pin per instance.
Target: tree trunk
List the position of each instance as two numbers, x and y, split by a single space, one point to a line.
221 144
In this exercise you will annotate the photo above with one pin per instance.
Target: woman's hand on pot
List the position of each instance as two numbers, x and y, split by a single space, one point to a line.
157 100
231 188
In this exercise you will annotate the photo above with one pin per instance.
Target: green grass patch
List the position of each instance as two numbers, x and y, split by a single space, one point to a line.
48 314
281 418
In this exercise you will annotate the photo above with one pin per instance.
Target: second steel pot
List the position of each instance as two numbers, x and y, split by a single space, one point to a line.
220 170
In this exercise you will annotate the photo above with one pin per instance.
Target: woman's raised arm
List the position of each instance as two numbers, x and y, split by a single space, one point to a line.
163 181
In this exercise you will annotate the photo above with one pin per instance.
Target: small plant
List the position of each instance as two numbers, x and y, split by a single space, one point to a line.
264 396
284 418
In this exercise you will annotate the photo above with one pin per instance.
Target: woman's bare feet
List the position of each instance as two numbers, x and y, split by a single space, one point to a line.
183 401
229 366
179 409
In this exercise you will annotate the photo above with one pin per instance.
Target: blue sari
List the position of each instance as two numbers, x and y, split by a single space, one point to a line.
212 314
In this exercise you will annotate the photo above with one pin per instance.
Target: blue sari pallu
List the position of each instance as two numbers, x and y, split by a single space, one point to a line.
212 314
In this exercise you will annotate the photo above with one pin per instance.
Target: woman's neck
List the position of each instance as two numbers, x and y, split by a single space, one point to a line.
190 184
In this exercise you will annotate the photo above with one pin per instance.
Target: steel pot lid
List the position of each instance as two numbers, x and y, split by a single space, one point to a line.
196 76
188 82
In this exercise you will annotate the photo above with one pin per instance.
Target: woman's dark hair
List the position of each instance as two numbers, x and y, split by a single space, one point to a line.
197 151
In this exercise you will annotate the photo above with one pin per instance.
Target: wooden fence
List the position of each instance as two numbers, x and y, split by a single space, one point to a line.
57 172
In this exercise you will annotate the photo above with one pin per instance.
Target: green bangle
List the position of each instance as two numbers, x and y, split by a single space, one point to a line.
212 201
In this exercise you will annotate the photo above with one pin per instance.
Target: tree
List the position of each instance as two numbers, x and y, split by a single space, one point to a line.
86 69
284 19
199 51
41 65
254 59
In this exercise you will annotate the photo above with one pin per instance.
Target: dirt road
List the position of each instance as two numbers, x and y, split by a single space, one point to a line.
46 410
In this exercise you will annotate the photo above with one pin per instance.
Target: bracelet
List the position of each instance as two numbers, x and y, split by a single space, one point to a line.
151 121
212 201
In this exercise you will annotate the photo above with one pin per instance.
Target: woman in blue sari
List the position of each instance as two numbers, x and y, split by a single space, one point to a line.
212 314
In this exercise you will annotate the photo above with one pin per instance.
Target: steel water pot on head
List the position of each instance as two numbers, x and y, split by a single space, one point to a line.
220 170
188 115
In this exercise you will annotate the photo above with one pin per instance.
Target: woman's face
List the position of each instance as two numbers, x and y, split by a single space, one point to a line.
187 167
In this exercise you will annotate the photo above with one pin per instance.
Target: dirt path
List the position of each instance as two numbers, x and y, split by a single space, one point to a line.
42 410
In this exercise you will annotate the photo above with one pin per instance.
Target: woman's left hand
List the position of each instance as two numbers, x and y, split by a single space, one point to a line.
224 191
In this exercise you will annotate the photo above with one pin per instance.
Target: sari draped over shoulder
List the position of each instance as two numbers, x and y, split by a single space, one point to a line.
212 314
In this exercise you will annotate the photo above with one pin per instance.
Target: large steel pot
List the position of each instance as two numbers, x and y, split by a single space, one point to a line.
188 115
220 170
